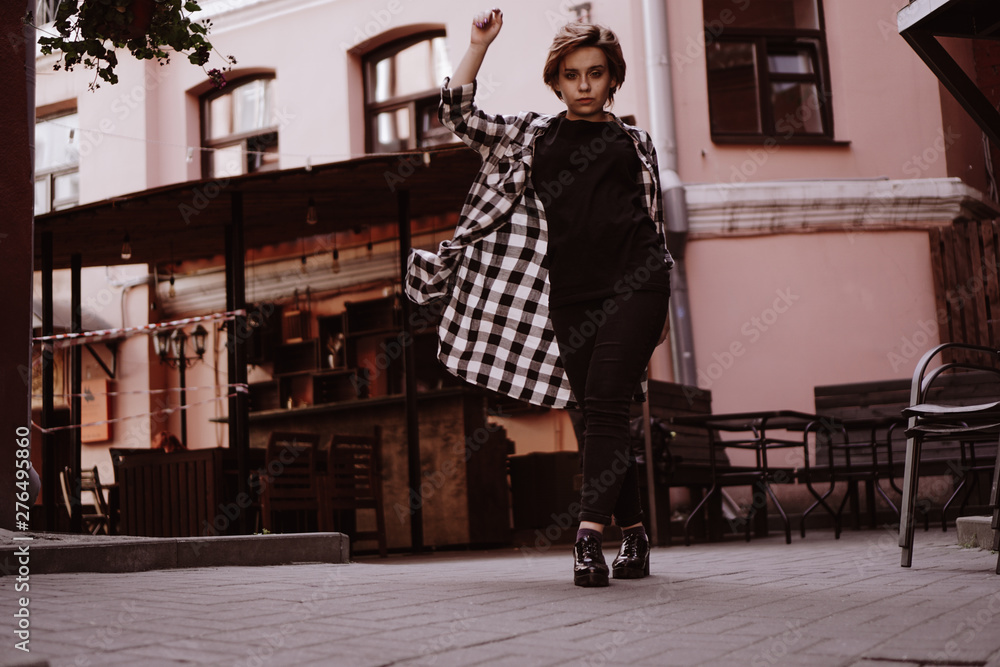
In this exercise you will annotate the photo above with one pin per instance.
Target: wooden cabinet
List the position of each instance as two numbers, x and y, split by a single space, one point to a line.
357 354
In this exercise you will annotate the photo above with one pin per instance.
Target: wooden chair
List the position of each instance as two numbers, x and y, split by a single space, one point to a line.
290 481
947 418
353 481
98 520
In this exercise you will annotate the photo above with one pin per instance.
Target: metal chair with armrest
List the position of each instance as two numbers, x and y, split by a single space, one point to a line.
946 420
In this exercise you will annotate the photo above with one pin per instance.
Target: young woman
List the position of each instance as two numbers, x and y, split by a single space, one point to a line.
555 286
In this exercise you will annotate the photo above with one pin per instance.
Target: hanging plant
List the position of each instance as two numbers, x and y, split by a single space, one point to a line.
89 31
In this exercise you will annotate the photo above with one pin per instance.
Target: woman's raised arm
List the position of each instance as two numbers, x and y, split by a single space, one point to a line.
485 28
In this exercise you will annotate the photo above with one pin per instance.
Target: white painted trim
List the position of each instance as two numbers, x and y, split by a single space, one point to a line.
789 206
229 15
917 11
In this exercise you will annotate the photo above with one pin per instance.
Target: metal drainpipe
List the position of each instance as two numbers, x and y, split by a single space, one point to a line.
664 134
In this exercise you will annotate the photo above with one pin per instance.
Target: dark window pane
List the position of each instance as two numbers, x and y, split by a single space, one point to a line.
732 87
783 14
262 152
796 109
430 130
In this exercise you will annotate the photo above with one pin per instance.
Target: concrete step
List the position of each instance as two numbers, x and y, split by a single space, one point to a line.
975 531
49 553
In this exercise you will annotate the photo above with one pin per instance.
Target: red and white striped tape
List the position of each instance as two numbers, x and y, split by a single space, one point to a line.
66 339
165 411
240 387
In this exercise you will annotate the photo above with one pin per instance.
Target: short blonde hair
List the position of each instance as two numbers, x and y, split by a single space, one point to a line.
575 35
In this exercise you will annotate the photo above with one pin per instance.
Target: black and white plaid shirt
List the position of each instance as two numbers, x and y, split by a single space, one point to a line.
492 275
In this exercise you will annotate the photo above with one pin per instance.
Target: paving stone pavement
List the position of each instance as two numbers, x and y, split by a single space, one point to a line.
818 601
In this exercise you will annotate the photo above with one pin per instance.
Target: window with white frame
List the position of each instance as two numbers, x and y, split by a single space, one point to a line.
402 80
45 11
57 162
240 128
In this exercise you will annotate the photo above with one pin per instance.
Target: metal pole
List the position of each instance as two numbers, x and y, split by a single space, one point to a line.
50 475
76 370
182 368
410 378
239 406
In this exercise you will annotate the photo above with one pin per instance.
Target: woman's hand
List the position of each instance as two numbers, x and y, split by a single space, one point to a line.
486 26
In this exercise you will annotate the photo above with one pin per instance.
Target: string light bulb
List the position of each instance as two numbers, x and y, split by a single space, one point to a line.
370 246
311 217
171 292
127 247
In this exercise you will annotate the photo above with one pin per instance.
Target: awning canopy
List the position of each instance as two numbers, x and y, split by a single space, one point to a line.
923 21
186 221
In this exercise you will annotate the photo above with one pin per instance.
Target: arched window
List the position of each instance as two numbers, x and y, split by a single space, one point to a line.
239 124
401 94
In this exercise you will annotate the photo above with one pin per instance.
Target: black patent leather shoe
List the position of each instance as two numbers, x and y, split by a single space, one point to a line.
633 558
589 567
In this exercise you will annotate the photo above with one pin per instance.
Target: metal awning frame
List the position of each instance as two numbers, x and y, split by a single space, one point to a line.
921 23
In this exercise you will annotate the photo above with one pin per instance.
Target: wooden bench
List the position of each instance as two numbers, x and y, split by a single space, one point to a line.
680 453
872 413
180 494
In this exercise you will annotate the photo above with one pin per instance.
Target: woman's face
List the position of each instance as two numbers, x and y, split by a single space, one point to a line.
584 83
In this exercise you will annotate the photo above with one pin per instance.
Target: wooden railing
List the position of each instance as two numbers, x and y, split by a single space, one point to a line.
966 263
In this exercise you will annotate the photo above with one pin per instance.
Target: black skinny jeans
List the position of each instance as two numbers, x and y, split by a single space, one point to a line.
605 345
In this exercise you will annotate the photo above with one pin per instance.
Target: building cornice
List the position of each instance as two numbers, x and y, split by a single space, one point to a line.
229 15
819 205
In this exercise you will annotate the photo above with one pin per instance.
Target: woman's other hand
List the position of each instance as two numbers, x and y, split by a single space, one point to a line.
486 26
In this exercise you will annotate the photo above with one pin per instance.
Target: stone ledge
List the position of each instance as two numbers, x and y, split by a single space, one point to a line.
975 531
141 554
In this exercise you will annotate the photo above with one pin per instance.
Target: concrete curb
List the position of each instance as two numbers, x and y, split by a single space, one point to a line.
975 531
140 555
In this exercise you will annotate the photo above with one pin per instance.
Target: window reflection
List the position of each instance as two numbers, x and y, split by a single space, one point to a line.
401 79
732 78
766 70
57 162
241 128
